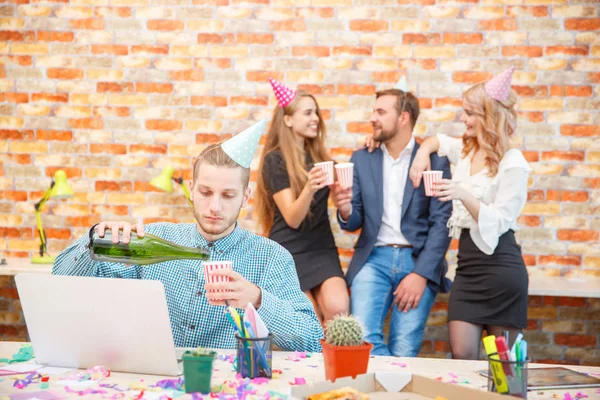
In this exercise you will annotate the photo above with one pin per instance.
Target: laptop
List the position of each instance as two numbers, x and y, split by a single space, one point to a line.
81 322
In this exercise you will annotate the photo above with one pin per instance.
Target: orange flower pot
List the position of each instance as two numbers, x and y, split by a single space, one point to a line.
341 361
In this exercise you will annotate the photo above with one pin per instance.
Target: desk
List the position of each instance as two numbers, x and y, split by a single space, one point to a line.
309 368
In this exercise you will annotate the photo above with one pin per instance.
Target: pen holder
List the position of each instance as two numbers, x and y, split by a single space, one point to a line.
507 377
254 356
197 371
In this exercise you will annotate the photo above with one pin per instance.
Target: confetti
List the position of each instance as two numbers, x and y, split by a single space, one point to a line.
400 364
580 395
298 381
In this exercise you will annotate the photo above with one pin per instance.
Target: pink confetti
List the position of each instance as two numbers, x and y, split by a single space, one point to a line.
298 381
300 354
453 375
400 364
260 381
580 395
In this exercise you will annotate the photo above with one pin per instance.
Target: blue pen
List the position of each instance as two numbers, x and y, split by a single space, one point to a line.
523 350
230 318
263 357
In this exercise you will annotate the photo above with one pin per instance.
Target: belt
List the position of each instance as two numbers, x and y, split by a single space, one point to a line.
399 246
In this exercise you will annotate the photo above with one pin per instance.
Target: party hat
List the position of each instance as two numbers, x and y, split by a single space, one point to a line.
402 84
283 93
241 147
499 86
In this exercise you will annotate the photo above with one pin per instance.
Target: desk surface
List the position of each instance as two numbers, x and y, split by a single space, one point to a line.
292 367
539 285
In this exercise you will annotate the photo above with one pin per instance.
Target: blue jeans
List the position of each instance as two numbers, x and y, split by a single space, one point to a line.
372 294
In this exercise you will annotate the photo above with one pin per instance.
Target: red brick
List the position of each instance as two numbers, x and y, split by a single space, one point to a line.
210 2
313 51
72 172
529 260
24 61
423 64
424 104
536 195
187 75
366 25
50 97
564 195
352 50
116 210
535 301
215 38
534 116
157 49
86 221
206 138
255 38
593 183
532 324
581 24
549 301
579 91
65 73
447 102
250 101
214 101
522 51
18 233
165 25
498 24
115 87
442 346
163 125
340 152
321 12
574 261
19 158
13 195
386 76
420 38
263 76
359 127
148 148
144 187
113 186
518 11
120 12
462 38
572 301
87 24
65 136
15 36
568 50
580 130
47 36
531 156
56 233
108 148
471 77
563 155
114 49
577 235
359 90
150 87
85 123
111 112
529 220
564 339
531 91
593 77
16 97
15 134
557 90
9 293
289 25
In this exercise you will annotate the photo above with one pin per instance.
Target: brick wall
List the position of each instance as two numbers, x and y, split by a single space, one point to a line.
112 91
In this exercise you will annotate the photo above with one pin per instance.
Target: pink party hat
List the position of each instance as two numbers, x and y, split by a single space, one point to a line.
499 86
283 93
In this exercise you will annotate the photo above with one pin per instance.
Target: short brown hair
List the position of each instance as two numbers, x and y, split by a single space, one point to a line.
215 155
403 99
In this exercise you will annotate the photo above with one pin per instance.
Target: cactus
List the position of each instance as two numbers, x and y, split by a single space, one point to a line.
344 330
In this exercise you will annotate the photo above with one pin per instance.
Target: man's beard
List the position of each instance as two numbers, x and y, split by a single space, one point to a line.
223 226
385 135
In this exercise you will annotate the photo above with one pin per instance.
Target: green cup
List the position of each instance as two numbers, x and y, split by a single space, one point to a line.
197 371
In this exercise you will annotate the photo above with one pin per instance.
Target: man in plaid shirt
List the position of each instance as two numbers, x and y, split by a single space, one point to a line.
263 273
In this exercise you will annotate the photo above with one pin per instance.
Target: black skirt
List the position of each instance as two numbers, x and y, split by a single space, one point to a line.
490 289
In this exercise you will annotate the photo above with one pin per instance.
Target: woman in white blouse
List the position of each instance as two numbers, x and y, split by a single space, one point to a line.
488 191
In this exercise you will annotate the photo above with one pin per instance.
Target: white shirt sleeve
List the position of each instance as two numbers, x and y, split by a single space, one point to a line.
450 147
496 218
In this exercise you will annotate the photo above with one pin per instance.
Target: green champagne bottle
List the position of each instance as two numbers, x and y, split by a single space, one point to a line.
149 249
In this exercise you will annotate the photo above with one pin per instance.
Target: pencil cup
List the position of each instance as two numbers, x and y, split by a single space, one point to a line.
326 166
197 371
507 377
430 177
254 356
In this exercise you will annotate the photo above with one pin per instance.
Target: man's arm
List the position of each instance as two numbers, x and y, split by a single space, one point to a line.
355 220
285 309
428 263
76 260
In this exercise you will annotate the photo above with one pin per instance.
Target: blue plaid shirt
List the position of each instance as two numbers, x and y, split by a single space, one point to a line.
286 311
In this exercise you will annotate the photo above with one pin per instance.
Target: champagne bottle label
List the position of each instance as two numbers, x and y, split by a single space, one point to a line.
149 249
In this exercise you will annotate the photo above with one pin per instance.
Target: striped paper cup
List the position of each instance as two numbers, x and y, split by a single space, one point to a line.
344 172
430 177
326 166
210 266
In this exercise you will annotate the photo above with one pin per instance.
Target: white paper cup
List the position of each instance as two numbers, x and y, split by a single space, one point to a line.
326 166
430 177
210 266
344 172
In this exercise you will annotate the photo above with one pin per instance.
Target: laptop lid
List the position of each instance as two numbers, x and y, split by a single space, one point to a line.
81 322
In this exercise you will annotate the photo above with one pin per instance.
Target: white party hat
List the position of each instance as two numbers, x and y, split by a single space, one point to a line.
241 147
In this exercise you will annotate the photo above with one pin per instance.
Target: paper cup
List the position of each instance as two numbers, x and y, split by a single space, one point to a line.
430 177
326 166
210 266
344 172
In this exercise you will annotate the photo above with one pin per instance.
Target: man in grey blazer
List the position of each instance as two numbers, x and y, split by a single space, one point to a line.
400 254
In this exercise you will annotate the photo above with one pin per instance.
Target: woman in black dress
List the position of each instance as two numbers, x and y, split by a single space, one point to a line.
488 191
292 196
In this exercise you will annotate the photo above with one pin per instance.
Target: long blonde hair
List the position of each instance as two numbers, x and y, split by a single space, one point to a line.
497 124
281 138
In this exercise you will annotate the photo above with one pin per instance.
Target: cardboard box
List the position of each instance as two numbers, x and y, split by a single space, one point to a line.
397 386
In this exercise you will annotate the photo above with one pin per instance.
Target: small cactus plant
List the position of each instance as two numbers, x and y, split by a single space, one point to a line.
344 330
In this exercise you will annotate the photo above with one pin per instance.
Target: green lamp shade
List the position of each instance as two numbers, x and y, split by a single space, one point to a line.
61 189
164 180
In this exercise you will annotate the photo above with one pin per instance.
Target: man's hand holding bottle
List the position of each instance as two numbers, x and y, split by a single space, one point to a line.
116 226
